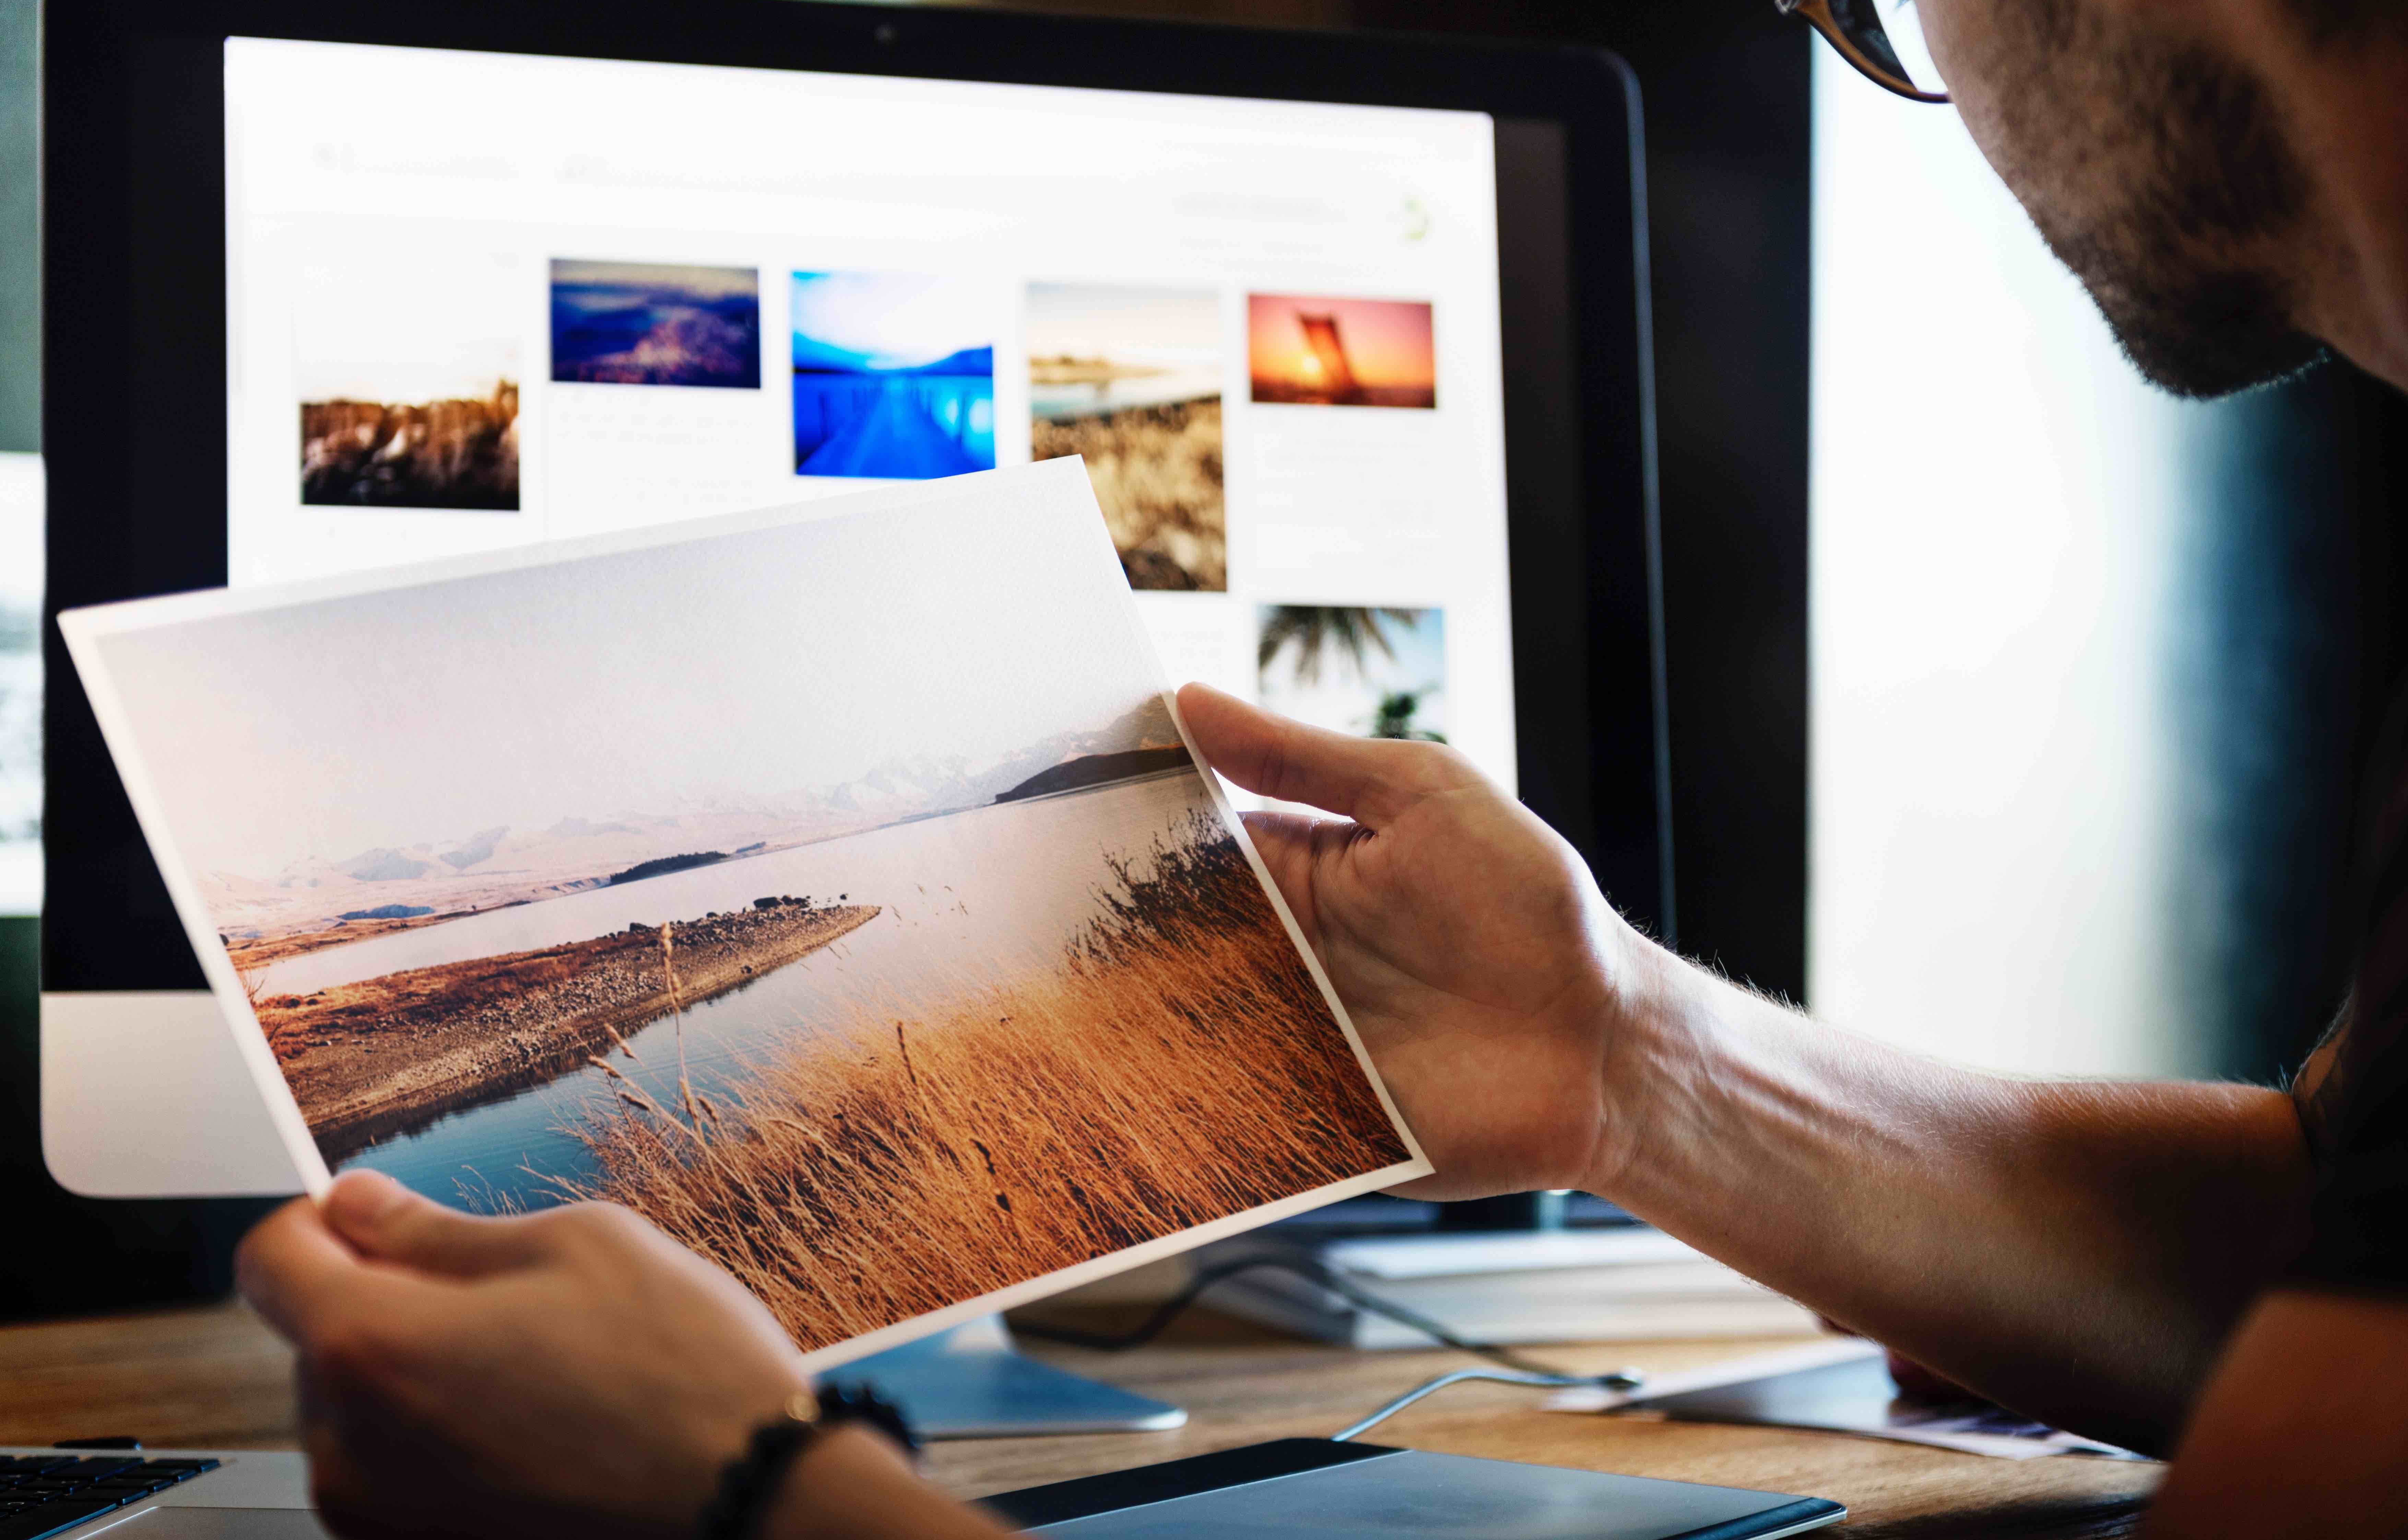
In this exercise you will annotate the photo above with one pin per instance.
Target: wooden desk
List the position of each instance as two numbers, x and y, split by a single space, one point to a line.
214 1378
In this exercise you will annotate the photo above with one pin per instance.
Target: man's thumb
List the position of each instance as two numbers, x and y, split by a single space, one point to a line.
385 1221
1366 779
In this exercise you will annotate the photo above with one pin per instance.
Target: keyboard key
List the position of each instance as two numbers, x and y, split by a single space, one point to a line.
194 1466
92 1469
43 1518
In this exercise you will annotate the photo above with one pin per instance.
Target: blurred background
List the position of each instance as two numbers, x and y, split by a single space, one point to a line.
2017 712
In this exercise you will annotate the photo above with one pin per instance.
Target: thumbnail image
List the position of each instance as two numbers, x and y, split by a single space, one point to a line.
407 366
653 324
1340 352
880 944
1379 673
1131 378
894 375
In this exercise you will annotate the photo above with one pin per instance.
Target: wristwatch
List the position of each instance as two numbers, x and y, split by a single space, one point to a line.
750 1479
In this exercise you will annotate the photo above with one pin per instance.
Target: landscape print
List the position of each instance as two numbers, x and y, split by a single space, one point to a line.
1340 352
883 945
894 375
407 366
1377 672
654 323
1129 378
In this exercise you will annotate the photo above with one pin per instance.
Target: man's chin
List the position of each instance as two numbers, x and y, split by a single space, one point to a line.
2205 365
2208 337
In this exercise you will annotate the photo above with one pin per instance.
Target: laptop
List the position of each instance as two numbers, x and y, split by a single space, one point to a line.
147 1494
1289 1489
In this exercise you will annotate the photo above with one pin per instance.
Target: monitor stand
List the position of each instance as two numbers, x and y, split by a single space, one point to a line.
145 1097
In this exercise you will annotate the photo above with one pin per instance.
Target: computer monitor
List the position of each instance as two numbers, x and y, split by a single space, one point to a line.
1351 331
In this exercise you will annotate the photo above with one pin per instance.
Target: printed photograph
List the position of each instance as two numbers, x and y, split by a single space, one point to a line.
654 323
1340 352
885 947
406 365
1131 378
1377 673
894 375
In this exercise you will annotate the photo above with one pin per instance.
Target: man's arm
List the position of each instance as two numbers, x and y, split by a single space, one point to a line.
2079 1251
2076 1251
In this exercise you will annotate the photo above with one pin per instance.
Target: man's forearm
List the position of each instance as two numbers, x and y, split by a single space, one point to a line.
2077 1250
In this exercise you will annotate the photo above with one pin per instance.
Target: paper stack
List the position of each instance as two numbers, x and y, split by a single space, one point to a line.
1625 1283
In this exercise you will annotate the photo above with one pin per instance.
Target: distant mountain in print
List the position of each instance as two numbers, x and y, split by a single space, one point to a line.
504 864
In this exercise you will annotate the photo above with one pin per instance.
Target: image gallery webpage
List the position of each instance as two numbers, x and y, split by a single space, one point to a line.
477 299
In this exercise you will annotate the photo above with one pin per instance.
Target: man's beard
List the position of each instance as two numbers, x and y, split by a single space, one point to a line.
2178 265
2192 328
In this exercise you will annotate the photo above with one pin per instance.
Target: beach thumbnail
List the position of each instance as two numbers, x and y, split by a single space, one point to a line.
894 375
1340 352
656 323
1377 673
785 884
407 366
1129 376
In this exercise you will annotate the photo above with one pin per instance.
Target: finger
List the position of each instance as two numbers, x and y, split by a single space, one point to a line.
389 1222
297 1272
1291 835
345 1493
1285 843
1366 779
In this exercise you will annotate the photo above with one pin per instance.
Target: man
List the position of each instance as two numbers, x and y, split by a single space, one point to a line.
2216 1272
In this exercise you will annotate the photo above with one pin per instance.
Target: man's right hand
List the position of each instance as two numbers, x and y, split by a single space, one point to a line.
1484 971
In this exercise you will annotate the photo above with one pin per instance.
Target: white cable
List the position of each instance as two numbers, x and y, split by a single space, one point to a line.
1620 1379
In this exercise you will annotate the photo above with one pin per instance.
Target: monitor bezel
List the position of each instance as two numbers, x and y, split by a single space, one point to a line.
135 349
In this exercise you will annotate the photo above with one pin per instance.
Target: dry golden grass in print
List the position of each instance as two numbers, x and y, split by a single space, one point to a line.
1179 1066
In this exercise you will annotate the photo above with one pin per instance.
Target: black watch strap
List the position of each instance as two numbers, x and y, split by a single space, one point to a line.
857 1401
751 1478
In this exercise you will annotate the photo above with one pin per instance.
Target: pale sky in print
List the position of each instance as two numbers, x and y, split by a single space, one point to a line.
705 672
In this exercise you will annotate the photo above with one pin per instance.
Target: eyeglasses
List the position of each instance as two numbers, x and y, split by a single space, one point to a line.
1891 57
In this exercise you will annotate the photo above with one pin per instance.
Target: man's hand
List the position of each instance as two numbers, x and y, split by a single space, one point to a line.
572 1373
2076 1251
1481 964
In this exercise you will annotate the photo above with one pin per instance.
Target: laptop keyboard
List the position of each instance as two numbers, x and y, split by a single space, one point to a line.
44 1494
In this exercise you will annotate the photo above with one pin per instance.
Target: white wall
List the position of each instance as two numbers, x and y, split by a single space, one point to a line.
1992 503
20 688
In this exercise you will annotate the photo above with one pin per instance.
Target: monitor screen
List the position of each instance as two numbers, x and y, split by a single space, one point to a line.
479 299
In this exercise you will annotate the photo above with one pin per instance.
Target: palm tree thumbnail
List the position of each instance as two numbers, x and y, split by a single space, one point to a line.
1316 629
